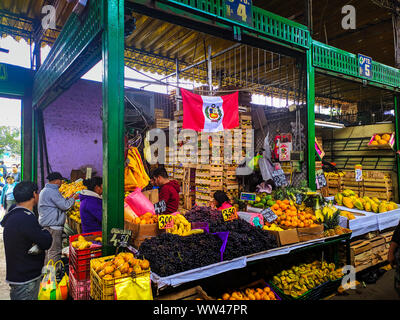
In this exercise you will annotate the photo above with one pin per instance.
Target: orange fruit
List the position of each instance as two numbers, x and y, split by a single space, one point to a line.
275 206
137 220
301 225
278 212
286 201
271 295
293 208
278 202
294 224
267 289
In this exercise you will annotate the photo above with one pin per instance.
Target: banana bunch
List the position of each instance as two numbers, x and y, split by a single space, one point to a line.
74 212
68 189
182 227
272 227
304 277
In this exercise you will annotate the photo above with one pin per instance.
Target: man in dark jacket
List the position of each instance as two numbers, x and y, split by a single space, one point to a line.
169 189
21 233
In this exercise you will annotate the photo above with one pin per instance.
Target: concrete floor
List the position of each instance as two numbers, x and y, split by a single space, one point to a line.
383 289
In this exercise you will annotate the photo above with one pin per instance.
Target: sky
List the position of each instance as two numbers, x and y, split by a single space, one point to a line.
19 54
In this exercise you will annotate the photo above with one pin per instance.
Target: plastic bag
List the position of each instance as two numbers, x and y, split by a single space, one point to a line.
49 288
129 214
139 203
134 289
134 172
255 219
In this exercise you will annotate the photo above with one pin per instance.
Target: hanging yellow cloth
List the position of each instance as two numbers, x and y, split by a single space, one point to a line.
135 174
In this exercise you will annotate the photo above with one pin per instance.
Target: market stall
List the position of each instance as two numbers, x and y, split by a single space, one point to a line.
270 221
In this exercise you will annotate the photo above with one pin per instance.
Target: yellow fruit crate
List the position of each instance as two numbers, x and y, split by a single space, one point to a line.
103 289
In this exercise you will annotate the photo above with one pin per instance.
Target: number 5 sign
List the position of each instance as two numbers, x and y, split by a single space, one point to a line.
239 10
365 66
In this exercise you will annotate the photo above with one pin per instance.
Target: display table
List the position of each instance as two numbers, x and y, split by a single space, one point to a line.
238 263
370 221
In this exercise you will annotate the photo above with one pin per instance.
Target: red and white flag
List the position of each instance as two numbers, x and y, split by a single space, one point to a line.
210 113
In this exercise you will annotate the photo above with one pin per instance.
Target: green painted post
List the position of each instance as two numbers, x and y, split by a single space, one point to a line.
113 119
397 132
310 120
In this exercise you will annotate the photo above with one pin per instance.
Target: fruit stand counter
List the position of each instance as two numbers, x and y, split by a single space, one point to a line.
239 263
370 221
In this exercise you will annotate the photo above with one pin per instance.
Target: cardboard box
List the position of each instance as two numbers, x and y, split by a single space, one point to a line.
285 237
152 195
141 232
310 233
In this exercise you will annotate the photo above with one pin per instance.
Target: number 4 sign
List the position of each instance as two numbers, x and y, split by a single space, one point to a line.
239 10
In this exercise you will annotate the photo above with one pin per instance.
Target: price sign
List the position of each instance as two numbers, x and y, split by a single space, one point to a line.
120 238
320 179
358 173
279 178
165 221
247 196
239 10
299 198
229 214
269 215
365 66
160 207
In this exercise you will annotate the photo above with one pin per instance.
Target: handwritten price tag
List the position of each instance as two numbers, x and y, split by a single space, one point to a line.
120 238
165 221
229 214
269 215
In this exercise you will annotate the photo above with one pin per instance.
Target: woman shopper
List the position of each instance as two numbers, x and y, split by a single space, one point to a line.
7 196
91 208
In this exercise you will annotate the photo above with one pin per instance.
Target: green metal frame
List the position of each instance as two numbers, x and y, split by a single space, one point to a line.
16 82
113 118
341 62
396 117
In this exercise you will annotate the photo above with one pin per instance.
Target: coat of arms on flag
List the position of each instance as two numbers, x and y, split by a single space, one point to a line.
210 113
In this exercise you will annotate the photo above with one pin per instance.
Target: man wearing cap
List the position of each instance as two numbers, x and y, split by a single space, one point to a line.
52 206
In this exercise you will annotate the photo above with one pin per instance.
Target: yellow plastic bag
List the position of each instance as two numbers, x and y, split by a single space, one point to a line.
49 288
134 289
135 174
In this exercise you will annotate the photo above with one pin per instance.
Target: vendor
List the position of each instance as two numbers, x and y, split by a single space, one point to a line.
221 200
91 208
169 189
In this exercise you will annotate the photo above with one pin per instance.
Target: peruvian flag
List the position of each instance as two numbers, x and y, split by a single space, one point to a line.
210 114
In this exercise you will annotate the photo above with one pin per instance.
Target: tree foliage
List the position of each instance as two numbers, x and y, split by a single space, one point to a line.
10 140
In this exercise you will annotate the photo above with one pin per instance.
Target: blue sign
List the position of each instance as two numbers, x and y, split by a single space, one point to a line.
365 66
239 10
248 196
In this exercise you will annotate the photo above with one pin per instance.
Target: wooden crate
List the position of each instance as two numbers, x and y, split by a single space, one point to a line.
388 236
380 188
158 113
360 254
196 293
379 250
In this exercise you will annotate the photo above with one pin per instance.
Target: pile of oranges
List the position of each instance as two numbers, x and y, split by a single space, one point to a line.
290 217
147 218
251 294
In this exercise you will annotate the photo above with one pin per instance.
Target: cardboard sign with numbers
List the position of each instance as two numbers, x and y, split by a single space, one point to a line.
165 221
120 238
320 179
279 178
269 215
230 214
160 207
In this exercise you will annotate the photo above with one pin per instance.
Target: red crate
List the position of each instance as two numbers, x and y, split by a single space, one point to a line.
79 290
79 260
